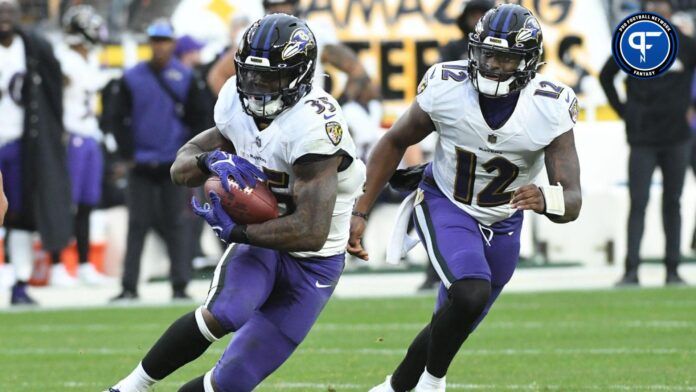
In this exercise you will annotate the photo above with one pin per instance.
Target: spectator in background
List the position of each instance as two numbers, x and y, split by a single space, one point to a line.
472 11
188 51
32 154
222 66
658 134
150 124
82 80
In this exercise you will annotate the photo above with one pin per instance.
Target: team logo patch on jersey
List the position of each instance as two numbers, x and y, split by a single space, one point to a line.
573 110
301 41
423 84
335 132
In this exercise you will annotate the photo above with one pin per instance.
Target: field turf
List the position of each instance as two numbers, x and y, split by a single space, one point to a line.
623 340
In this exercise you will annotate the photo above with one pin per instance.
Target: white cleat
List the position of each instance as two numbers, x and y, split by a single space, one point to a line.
122 388
90 276
60 276
428 383
383 387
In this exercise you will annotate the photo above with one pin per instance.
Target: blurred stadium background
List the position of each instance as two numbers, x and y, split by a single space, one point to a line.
646 338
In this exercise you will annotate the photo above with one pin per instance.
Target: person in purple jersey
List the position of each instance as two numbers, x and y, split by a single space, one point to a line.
271 286
499 123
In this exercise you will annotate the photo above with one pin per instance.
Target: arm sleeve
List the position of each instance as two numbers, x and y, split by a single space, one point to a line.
606 79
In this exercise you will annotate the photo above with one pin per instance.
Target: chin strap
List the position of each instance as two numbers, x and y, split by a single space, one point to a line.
553 199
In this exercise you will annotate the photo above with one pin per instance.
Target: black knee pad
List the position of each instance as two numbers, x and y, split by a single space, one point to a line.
469 297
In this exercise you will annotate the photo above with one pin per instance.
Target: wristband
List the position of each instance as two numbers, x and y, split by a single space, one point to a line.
360 214
238 235
202 165
553 199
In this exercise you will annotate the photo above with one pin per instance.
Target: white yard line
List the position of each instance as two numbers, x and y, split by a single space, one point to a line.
370 351
379 327
350 386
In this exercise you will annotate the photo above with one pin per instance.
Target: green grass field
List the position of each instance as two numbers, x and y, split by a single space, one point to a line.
628 340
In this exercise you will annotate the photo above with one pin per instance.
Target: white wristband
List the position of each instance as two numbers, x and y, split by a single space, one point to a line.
553 198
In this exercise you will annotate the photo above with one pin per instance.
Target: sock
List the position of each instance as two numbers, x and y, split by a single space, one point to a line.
137 381
429 381
82 232
55 258
19 247
406 375
180 344
466 301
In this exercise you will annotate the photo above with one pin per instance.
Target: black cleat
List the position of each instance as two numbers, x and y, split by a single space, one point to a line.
125 296
180 295
20 295
630 279
673 279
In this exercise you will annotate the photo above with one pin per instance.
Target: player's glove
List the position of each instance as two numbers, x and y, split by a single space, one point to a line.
216 217
227 166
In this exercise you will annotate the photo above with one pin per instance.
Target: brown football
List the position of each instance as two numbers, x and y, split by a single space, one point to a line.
251 206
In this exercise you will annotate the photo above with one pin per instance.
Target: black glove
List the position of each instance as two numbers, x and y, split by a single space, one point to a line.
407 180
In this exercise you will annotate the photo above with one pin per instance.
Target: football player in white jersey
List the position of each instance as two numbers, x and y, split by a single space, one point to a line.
498 122
271 125
83 28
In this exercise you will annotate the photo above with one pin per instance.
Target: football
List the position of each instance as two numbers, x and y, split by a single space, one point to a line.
245 206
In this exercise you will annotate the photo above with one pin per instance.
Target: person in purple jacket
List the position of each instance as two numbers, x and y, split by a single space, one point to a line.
151 104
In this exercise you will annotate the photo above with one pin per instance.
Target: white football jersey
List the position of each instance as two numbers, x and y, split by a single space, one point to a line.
13 67
314 125
479 168
84 80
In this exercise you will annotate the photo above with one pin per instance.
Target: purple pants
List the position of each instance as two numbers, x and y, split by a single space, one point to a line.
271 300
86 168
460 248
11 168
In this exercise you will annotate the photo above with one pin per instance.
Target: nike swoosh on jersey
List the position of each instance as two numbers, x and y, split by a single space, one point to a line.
328 117
322 286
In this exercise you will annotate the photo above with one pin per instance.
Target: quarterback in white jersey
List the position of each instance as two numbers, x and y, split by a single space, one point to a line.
498 123
271 125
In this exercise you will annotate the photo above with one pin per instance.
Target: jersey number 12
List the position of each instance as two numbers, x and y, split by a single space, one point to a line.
494 193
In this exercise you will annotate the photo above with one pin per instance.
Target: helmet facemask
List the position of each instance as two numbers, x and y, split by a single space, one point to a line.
498 71
267 91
